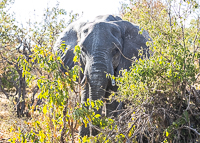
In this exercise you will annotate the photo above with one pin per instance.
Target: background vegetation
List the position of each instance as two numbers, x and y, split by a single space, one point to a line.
160 93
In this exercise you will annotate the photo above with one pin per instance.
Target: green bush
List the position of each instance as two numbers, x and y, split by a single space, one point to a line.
162 91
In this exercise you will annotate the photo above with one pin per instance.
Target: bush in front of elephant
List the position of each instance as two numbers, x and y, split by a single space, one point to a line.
162 92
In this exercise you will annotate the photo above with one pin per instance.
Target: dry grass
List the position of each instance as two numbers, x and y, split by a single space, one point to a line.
7 118
9 121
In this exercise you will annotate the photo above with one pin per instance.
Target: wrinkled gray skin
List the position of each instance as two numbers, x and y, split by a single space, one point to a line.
100 42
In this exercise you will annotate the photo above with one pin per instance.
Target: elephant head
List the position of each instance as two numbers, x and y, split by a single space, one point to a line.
107 45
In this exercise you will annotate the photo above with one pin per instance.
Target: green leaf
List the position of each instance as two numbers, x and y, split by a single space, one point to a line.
185 113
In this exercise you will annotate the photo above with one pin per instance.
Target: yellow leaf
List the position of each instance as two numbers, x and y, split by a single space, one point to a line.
92 104
58 58
45 109
167 134
67 74
50 58
89 118
11 129
84 139
85 124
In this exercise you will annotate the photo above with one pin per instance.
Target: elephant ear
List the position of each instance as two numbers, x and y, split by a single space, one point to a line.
69 37
132 43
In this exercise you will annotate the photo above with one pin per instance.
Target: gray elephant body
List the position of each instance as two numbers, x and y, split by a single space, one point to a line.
106 45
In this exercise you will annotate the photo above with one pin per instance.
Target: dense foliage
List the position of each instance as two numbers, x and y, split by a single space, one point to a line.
11 40
160 93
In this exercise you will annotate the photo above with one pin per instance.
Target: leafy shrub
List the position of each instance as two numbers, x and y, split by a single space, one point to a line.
161 92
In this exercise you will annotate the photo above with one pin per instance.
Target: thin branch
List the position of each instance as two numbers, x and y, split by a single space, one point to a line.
195 38
190 128
122 53
196 96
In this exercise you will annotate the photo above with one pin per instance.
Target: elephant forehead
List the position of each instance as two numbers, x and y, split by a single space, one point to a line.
99 33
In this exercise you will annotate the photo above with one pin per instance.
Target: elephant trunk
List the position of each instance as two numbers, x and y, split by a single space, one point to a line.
98 75
97 80
97 87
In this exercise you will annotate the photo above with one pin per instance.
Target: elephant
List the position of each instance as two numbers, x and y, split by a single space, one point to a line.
107 45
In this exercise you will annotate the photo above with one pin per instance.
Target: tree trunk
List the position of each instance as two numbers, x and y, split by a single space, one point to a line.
21 94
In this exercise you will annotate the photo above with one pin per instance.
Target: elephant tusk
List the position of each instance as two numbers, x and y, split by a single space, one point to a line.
83 80
113 82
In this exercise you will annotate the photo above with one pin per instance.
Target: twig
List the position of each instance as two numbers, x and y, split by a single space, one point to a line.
196 96
194 43
122 53
194 130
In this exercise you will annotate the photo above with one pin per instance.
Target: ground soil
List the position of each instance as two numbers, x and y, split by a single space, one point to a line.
7 118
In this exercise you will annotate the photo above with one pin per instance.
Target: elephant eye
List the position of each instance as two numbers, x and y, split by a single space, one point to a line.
115 51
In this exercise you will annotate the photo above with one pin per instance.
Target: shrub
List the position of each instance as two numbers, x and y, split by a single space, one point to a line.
161 92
